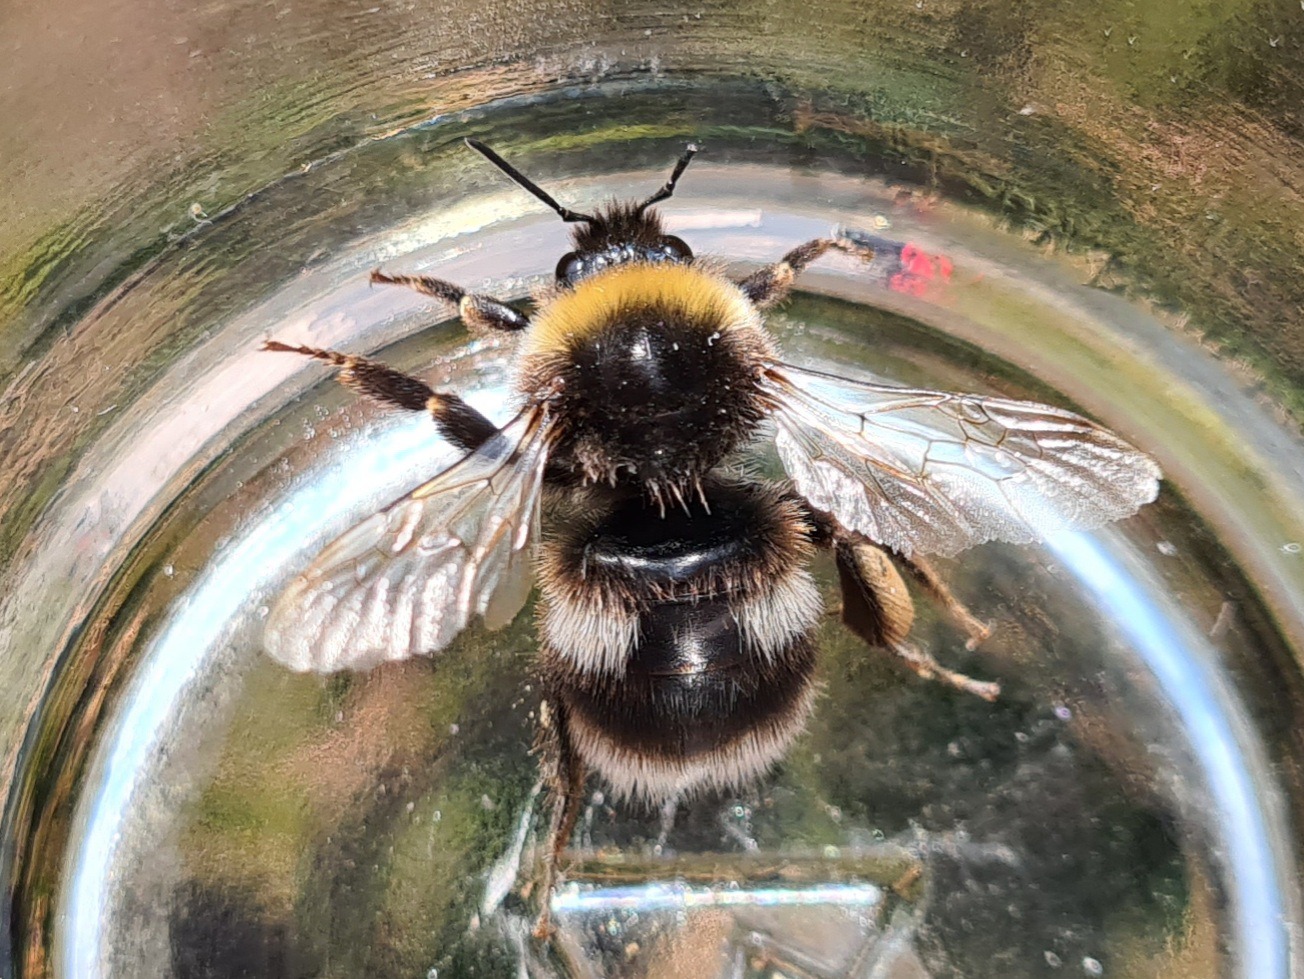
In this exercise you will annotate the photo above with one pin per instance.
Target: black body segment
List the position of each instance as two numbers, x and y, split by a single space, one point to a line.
692 686
642 397
679 551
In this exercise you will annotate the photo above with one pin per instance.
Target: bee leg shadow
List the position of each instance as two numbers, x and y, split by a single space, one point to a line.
565 775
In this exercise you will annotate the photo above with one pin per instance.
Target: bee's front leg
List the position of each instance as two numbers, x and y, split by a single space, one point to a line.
771 284
478 312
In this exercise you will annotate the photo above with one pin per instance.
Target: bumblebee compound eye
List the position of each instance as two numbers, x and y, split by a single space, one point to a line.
675 249
570 267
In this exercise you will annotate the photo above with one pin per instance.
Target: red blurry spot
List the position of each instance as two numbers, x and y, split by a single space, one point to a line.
918 270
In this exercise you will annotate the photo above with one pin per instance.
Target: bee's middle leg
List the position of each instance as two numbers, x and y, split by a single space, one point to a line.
456 420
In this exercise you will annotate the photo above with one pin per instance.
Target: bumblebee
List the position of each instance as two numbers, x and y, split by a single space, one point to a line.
676 608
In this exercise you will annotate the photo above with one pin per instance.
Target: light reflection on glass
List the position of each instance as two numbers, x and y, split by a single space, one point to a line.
1180 660
398 456
675 897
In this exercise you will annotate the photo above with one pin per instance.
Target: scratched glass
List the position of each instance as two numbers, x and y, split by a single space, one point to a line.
1061 200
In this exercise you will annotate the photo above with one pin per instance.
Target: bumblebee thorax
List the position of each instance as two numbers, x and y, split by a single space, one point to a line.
652 370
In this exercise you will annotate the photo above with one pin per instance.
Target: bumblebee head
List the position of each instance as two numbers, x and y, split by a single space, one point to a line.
650 362
616 235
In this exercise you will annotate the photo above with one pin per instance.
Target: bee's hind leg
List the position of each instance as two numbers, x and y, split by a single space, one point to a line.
771 284
456 420
565 775
877 607
928 579
925 666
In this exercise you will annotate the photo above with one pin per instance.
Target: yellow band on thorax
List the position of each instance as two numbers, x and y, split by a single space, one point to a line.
694 294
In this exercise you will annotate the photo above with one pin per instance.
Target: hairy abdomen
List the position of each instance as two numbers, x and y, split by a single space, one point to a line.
679 648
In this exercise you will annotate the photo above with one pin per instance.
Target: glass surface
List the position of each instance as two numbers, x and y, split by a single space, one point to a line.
179 805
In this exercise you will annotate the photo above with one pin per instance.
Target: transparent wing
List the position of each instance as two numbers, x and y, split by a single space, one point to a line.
408 579
936 473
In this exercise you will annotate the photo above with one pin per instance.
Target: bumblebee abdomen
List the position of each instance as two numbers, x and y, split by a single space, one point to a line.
696 707
653 370
680 645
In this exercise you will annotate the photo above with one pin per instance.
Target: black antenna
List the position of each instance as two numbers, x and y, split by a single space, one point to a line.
669 188
565 212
